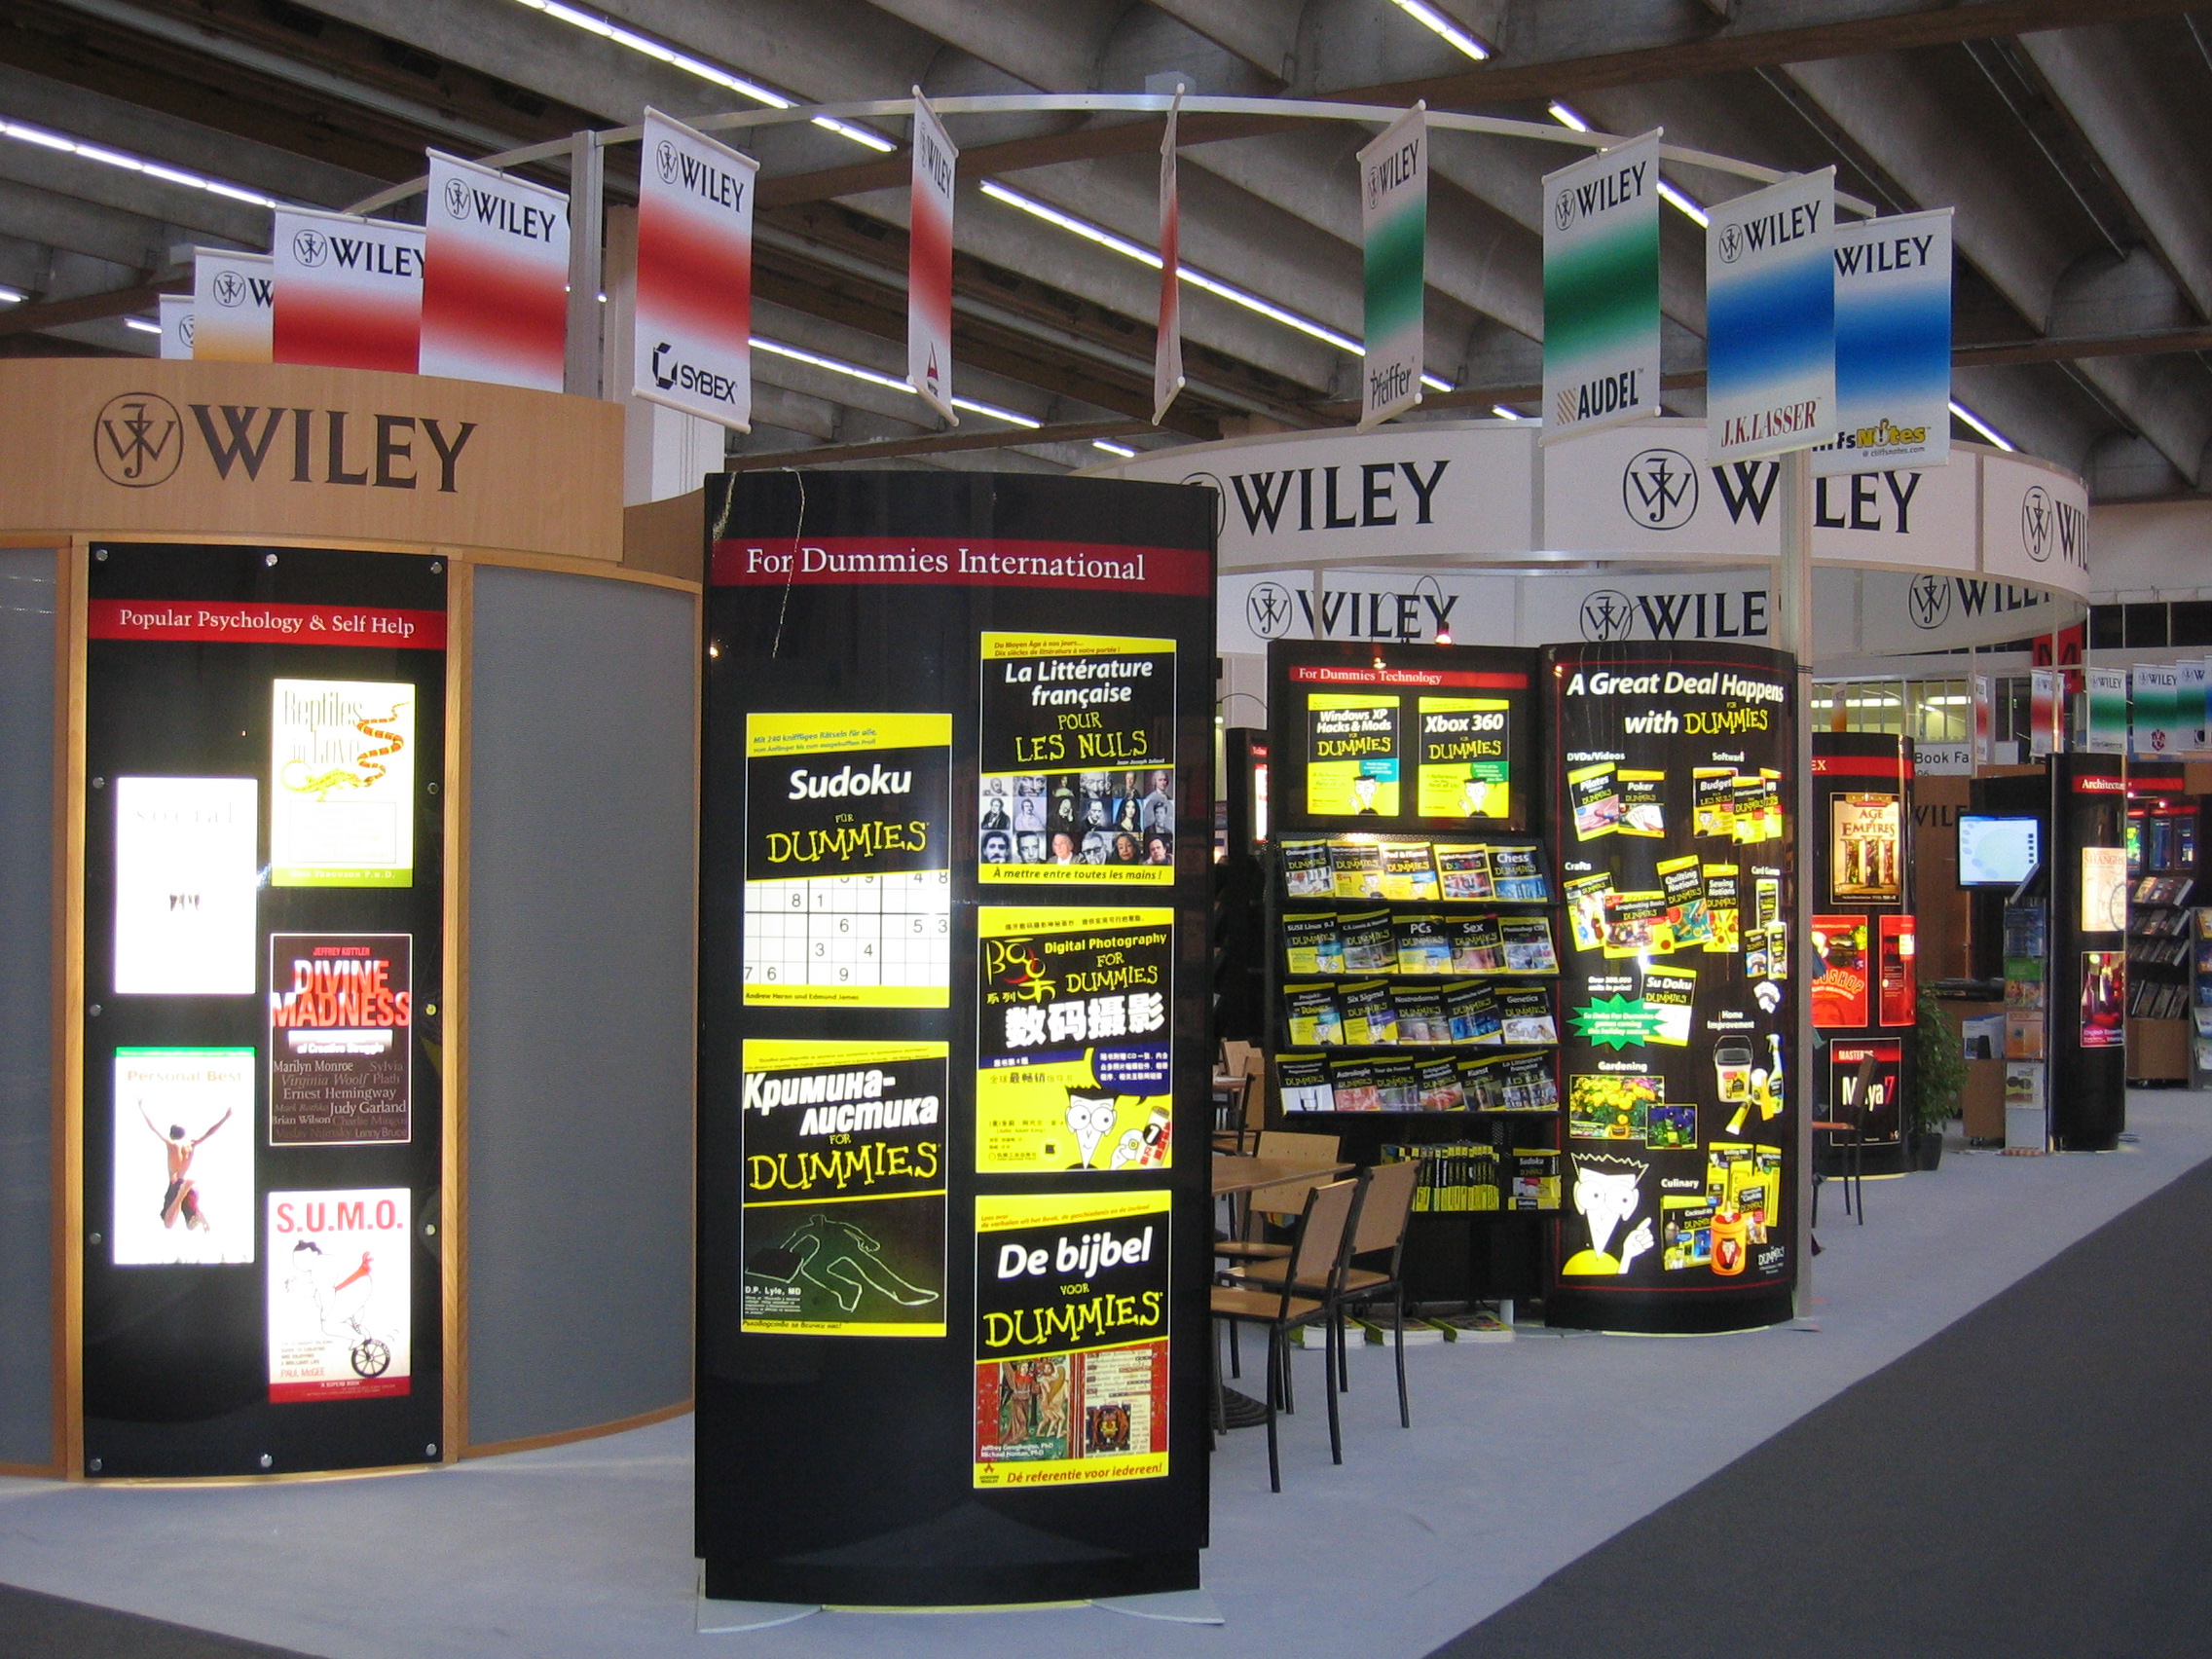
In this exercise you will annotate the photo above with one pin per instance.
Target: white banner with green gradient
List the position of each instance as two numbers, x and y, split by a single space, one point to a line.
1602 289
1394 217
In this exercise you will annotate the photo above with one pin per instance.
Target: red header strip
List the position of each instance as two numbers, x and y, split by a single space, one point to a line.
1324 673
252 623
1860 766
943 561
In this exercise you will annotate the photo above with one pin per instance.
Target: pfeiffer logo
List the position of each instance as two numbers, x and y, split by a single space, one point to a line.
139 440
1659 489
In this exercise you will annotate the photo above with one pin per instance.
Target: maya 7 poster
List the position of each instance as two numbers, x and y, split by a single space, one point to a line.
1078 762
339 1297
1071 1338
843 1212
341 1008
1072 1052
183 1177
342 784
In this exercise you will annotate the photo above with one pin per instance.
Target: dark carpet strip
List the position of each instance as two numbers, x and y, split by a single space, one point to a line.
2034 1479
35 1626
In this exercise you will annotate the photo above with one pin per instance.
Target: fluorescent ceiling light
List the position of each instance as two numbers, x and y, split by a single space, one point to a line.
1122 450
854 371
1668 193
646 46
995 413
46 139
1983 426
141 325
1430 18
11 296
1505 414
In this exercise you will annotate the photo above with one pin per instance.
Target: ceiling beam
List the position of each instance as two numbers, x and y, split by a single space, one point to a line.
1723 52
34 315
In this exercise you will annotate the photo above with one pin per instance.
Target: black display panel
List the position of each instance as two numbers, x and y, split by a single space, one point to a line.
1672 828
1364 740
264 973
945 1355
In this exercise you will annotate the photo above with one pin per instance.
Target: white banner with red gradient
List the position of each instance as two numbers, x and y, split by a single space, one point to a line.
694 310
236 293
495 279
348 292
929 263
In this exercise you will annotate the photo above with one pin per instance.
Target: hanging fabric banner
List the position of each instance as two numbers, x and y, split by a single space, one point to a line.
234 292
1602 289
176 326
1984 721
1770 319
2108 710
1167 351
1394 222
2152 719
2043 713
348 292
929 264
2189 685
694 310
1893 345
494 278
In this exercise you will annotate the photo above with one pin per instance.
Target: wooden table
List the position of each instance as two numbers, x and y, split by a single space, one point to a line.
1234 1173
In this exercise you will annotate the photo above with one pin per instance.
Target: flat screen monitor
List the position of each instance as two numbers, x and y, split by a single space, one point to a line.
1998 852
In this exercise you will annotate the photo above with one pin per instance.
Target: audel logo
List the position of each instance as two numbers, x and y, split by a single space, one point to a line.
140 440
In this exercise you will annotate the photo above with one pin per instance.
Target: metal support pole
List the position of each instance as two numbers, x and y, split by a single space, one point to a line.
587 196
1793 634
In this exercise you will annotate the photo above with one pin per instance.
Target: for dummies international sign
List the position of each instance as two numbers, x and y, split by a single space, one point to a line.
1893 345
1602 289
1770 319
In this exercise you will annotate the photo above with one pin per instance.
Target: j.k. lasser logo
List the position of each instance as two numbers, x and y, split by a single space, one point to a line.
140 440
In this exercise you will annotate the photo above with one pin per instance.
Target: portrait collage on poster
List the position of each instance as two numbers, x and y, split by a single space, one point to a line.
339 1057
847 1224
1676 875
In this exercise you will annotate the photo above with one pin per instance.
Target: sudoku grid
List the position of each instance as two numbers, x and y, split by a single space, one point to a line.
851 930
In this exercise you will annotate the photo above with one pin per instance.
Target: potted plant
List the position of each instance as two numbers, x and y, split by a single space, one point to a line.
1942 1081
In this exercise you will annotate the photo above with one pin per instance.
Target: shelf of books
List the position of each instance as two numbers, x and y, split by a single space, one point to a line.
2161 856
2200 1000
1416 974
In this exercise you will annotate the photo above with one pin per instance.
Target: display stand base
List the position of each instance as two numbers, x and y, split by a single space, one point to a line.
1176 1606
710 1617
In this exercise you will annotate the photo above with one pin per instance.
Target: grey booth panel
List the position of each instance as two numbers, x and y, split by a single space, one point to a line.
581 889
27 1004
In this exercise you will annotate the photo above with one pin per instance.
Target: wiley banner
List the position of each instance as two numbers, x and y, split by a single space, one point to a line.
348 292
929 264
176 327
1167 348
694 310
232 292
1602 289
1394 222
495 279
1893 345
1770 319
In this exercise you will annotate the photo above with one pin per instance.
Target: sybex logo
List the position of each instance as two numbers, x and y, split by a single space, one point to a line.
1712 614
670 375
1659 489
1368 496
140 440
2048 526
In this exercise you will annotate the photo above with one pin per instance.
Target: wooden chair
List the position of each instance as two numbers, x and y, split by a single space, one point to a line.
1239 1114
1318 1258
1385 1205
1281 1201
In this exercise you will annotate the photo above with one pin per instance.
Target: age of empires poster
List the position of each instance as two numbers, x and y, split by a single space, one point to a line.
1078 762
1071 1338
843 1209
1072 1047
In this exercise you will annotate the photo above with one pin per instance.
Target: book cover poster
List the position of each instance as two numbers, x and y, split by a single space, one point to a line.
1840 978
1077 773
187 868
183 1175
1072 1049
2104 890
1462 768
340 1007
842 1218
2104 999
340 1306
342 784
1862 848
1897 949
848 859
1071 1338
1353 754
1883 1079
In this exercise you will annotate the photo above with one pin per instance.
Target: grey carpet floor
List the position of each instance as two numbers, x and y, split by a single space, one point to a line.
2037 1479
34 1624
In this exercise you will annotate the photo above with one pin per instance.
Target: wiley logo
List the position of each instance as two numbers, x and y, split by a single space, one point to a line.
1719 614
2050 525
1927 601
1659 489
1272 610
233 291
1268 609
1369 500
140 440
